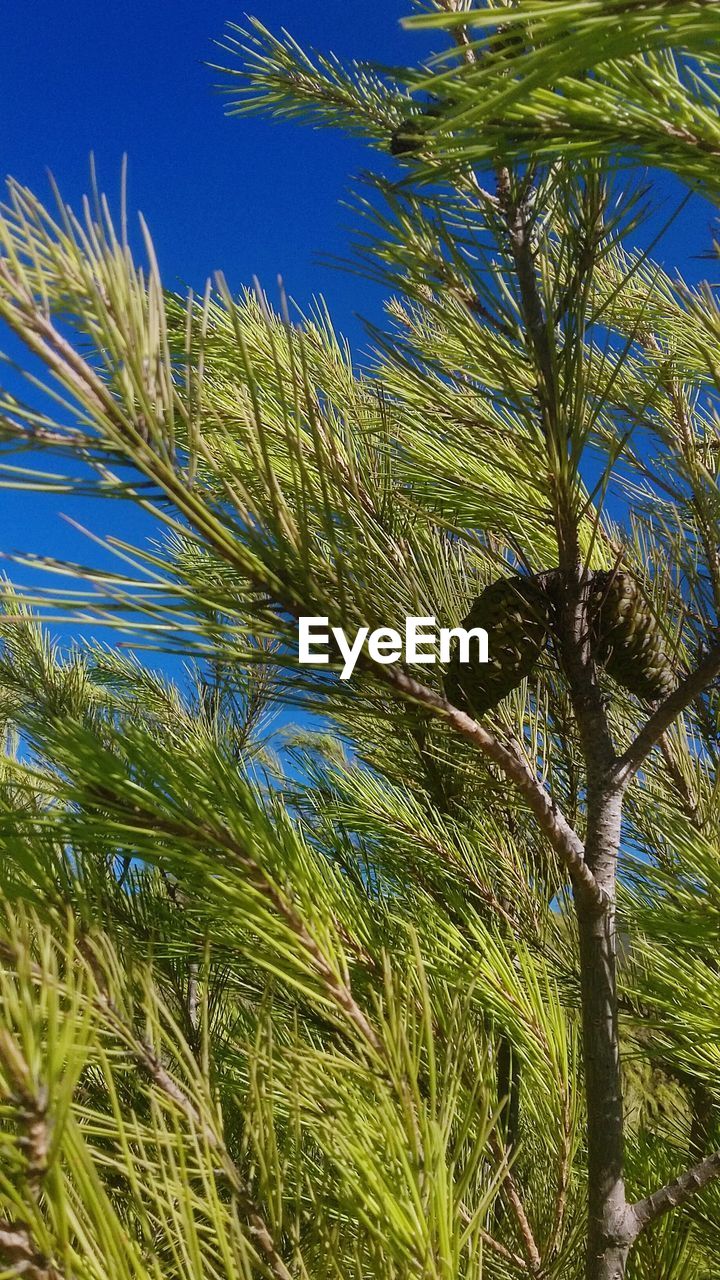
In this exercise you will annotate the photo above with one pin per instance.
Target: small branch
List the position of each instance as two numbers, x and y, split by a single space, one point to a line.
18 1250
563 1179
15 1242
474 303
690 805
146 1057
682 418
192 997
555 827
664 716
530 1249
36 329
256 1224
460 34
517 218
497 1247
334 984
676 1193
31 1101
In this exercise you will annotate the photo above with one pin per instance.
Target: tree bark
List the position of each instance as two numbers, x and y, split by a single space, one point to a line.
610 1224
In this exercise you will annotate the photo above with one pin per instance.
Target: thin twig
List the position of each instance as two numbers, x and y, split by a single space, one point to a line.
665 715
680 411
677 1192
336 988
461 36
532 1253
496 1246
18 1250
563 838
506 1254
690 804
16 1238
31 1101
147 1058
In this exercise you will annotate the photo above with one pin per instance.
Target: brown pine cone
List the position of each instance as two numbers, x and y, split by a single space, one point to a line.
516 613
626 638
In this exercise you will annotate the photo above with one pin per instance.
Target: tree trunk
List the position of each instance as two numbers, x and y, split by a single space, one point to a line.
608 1263
610 1221
608 1234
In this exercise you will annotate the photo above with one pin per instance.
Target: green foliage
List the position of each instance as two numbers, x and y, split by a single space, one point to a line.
304 1001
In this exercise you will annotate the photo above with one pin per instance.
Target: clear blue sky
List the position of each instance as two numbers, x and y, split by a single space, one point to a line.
243 195
246 196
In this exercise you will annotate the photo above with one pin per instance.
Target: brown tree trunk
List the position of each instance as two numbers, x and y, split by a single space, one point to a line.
610 1220
609 1263
609 1231
611 1225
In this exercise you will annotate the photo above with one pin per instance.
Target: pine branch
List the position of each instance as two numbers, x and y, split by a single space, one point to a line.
147 1058
20 1254
665 715
336 988
690 804
676 1193
507 1255
530 1249
680 412
553 824
31 1101
15 1242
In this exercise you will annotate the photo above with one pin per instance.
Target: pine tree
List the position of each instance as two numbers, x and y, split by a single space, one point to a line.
401 992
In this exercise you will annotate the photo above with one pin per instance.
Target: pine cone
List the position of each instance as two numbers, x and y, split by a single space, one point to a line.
410 135
516 614
626 637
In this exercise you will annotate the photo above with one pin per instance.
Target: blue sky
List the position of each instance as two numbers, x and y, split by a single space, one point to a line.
244 195
247 196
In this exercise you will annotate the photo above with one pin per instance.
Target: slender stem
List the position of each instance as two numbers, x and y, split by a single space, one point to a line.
562 837
690 803
507 1255
19 1252
677 1192
664 715
529 1245
609 1221
147 1058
